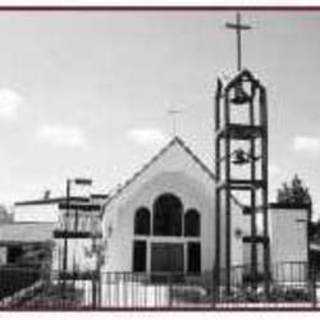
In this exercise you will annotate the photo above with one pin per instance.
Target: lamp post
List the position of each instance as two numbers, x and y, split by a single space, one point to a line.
77 181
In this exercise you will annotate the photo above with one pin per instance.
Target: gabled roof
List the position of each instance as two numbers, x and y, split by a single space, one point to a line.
51 201
176 140
243 74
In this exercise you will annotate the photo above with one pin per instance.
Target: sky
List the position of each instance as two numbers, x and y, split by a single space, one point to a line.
87 93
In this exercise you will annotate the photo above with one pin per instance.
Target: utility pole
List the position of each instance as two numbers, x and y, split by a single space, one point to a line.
65 247
68 232
65 240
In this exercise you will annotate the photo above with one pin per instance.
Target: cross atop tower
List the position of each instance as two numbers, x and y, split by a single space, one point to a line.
239 28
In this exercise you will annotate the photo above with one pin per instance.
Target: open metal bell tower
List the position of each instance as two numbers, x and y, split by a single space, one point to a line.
241 168
241 148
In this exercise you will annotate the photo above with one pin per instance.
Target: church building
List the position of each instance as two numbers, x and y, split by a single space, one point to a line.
163 218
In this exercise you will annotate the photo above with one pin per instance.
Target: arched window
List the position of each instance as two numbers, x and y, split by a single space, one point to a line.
192 223
142 221
167 215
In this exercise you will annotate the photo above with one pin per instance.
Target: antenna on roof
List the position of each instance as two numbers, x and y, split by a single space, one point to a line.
174 113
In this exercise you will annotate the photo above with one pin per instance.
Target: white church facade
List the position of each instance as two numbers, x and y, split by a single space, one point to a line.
163 219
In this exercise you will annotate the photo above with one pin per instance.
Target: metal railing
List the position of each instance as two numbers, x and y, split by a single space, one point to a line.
292 285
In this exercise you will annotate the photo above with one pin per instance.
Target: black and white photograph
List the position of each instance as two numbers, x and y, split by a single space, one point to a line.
159 159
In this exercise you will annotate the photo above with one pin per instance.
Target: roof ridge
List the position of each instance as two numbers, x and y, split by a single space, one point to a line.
206 168
26 222
182 144
175 139
140 171
196 158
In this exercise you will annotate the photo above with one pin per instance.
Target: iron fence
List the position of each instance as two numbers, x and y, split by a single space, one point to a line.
292 285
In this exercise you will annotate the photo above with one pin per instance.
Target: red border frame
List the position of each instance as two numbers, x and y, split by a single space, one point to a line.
158 8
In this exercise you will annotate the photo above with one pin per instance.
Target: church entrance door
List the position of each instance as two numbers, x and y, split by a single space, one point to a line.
166 258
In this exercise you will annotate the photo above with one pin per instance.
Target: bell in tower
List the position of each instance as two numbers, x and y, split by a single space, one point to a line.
240 96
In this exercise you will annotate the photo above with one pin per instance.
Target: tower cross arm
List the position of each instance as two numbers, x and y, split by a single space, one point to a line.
238 26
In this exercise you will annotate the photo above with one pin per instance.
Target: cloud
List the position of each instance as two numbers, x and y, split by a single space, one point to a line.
306 144
147 137
62 136
9 103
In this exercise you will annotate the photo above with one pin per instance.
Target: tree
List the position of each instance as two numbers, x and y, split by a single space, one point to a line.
295 194
298 195
5 215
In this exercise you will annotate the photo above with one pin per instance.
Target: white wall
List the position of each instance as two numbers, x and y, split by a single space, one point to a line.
36 213
78 258
288 236
183 187
176 172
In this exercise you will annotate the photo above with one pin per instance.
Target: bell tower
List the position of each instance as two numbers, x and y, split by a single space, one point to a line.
241 168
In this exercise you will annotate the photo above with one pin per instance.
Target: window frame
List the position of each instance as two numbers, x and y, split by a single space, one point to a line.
144 210
143 244
190 261
167 217
189 213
